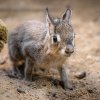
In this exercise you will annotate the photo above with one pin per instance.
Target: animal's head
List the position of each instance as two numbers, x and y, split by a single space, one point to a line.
61 33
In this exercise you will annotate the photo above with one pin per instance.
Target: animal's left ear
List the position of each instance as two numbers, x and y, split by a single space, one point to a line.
49 19
67 15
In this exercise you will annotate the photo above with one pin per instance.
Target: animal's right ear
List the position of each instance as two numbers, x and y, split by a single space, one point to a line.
67 15
49 19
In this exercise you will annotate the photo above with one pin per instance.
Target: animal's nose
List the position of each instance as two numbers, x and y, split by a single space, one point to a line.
69 49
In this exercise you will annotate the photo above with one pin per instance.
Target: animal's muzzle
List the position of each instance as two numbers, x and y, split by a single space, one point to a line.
69 49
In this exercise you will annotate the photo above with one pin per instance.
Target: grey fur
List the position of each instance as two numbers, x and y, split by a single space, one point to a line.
31 44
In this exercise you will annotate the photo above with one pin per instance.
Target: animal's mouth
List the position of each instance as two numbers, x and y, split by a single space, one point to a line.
68 54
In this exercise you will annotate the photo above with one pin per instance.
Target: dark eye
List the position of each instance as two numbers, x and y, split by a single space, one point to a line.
54 39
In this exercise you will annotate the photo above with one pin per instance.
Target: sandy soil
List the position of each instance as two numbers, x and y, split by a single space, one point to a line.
86 58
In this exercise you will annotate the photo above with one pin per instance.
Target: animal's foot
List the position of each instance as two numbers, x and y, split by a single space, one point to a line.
29 79
66 86
13 74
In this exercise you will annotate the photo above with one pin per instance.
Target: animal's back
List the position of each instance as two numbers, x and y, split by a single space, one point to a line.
30 30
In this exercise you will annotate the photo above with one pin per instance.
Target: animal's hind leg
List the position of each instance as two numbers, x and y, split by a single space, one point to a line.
16 72
21 69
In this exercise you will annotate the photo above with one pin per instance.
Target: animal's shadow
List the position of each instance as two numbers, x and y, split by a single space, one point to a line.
53 81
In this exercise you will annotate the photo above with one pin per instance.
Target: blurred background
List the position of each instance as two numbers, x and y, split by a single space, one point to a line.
34 9
86 24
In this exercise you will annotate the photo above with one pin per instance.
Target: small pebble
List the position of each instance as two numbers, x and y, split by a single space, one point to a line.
53 94
90 90
80 75
44 85
21 90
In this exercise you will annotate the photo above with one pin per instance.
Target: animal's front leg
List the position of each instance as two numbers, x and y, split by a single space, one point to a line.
31 51
64 78
28 69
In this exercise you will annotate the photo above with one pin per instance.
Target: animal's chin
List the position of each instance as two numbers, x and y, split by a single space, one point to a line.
68 54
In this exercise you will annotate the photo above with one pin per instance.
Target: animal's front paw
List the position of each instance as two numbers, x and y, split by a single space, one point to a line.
29 79
66 86
69 87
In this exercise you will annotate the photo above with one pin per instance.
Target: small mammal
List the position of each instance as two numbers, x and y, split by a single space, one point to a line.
42 45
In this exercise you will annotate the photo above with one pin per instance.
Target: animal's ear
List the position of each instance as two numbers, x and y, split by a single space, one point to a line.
49 19
67 15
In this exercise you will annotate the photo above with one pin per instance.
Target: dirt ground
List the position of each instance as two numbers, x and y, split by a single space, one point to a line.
86 23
